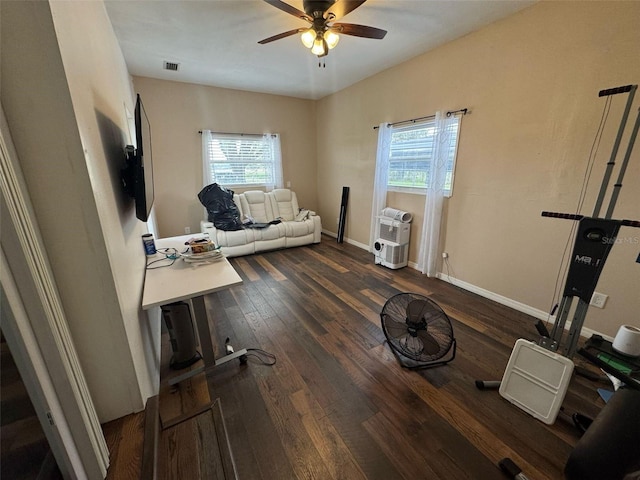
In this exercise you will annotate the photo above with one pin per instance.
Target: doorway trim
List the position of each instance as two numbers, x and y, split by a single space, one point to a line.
38 333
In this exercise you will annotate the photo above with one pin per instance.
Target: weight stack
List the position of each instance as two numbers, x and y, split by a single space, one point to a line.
177 318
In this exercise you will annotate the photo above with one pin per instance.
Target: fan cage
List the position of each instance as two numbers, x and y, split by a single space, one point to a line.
428 342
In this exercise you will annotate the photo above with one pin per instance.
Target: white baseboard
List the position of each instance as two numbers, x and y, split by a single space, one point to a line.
508 302
519 306
348 240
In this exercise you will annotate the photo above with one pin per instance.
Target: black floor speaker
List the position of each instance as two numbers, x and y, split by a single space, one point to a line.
343 214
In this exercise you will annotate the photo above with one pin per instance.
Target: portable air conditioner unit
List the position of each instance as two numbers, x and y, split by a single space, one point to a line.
391 230
391 254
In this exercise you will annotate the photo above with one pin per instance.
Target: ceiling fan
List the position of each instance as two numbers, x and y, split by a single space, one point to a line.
323 34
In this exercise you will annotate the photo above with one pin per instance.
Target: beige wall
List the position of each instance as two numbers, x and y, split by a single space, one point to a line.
178 111
531 82
65 92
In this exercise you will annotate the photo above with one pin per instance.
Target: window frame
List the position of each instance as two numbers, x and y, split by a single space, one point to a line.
415 126
244 141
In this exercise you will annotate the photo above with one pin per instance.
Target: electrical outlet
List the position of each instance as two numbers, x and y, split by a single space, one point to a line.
445 255
598 300
187 230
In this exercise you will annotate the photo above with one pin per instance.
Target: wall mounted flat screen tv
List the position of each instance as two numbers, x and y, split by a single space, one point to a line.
137 176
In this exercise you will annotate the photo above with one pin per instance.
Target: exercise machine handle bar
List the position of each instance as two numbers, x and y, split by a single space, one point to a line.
566 216
614 91
571 216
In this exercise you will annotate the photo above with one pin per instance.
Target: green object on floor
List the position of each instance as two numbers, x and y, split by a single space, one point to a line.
616 363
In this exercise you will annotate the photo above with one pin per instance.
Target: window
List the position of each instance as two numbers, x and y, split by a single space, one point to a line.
242 160
411 152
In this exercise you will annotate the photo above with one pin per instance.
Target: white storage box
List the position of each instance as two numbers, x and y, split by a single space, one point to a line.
536 380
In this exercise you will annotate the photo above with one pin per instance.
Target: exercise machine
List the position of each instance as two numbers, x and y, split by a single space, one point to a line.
537 375
594 239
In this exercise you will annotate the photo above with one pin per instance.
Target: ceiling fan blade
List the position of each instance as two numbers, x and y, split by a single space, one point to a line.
359 30
285 7
341 8
282 35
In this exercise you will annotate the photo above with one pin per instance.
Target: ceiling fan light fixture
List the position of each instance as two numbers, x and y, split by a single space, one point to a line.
319 47
322 33
332 38
308 37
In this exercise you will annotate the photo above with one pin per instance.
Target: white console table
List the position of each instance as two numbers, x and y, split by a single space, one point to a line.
184 281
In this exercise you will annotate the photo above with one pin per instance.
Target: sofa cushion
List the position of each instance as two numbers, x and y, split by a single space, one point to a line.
256 204
234 238
299 229
272 232
284 204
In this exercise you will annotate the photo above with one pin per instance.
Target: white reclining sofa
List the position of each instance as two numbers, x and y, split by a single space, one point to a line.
264 208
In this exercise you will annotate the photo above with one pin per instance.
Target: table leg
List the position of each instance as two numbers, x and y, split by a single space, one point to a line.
208 354
204 334
202 324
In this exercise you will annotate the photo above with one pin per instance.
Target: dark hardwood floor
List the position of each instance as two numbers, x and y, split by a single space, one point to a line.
24 449
337 404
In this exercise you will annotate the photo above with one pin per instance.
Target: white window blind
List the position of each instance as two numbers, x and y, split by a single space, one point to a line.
411 153
242 160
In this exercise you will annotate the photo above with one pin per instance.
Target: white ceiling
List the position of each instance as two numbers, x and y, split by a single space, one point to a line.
215 42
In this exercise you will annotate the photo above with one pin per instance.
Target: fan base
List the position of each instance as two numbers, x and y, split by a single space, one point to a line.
412 364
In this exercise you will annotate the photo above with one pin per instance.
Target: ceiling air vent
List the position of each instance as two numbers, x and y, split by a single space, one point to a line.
171 66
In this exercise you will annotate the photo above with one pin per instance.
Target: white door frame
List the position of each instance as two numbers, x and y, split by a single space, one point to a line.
37 333
33 371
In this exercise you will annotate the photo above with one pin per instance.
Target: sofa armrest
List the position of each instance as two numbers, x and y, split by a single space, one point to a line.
209 229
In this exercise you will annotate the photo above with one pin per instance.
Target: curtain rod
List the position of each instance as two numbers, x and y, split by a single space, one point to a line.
413 120
241 134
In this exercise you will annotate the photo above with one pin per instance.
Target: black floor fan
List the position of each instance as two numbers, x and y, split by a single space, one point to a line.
418 331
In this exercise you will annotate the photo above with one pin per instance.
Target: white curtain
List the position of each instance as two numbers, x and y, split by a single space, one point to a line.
380 182
434 200
274 140
206 141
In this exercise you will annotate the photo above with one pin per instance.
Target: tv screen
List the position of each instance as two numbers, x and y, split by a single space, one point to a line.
143 166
